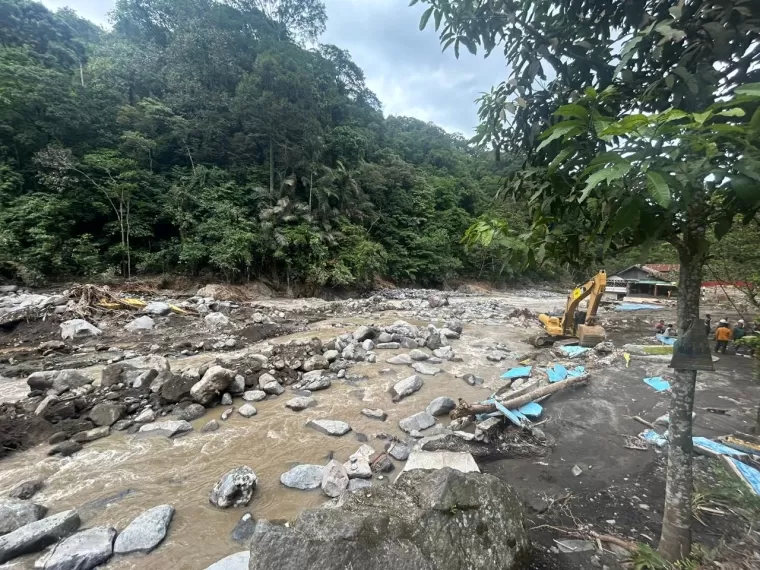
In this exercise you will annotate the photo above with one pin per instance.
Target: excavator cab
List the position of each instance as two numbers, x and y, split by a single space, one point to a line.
574 323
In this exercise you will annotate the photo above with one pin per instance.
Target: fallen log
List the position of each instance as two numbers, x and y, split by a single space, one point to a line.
464 409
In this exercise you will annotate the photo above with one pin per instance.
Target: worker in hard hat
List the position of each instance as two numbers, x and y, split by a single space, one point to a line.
739 332
722 336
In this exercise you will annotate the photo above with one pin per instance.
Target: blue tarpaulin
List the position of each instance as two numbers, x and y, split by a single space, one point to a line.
710 447
653 437
749 474
669 340
573 351
531 410
557 373
520 372
636 307
515 417
658 383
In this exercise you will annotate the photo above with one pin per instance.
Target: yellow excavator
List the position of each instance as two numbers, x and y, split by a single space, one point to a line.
575 324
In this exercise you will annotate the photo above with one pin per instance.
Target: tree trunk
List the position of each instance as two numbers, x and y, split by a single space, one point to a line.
271 169
311 186
675 540
129 252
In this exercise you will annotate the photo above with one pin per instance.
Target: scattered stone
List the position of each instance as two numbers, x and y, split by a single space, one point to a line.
418 422
15 513
496 356
44 406
211 426
91 434
216 320
227 413
226 399
158 308
215 381
106 414
274 388
58 437
455 325
65 380
235 488
342 373
144 323
331 355
265 379
441 406
406 387
334 479
122 425
375 414
82 551
450 334
37 535
604 347
444 353
368 344
237 386
435 301
388 346
247 410
363 333
254 395
426 369
418 355
436 340
398 451
65 448
169 428
576 470
243 530
300 403
359 484
473 380
27 489
237 561
146 416
409 343
191 412
303 477
329 427
145 532
385 337
78 328
313 381
400 359
382 464
316 362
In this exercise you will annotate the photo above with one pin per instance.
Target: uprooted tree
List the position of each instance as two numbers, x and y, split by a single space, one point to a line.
640 122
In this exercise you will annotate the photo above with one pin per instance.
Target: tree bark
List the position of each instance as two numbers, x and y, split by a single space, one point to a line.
271 169
675 540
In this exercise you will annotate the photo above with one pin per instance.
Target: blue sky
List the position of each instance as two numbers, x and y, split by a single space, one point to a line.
403 66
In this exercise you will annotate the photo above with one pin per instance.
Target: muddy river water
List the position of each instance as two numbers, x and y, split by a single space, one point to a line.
116 478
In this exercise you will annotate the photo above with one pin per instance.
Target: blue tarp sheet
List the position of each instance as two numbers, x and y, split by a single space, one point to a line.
636 307
750 475
658 383
531 410
557 373
669 340
653 437
515 417
573 351
711 447
520 372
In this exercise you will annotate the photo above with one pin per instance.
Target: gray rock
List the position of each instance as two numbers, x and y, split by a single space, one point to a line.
146 416
145 532
91 434
42 380
349 353
388 345
382 464
106 414
144 323
331 355
473 380
243 530
385 337
69 380
363 333
226 399
436 340
330 427
274 388
406 387
158 308
237 386
334 479
450 334
178 387
441 406
444 353
426 369
375 414
77 329
455 325
437 505
359 484
65 449
15 513
27 489
37 535
122 425
409 343
265 379
313 381
400 359
435 301
368 344
418 422
213 425
247 410
44 406
303 477
399 451
237 561
358 467
496 356
214 383
418 355
216 321
300 403
235 488
191 412
82 551
168 428
254 395
58 437
316 362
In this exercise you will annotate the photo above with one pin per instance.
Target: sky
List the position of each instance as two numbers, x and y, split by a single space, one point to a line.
403 66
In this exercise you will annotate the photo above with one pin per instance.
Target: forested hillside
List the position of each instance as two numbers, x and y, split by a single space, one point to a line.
204 137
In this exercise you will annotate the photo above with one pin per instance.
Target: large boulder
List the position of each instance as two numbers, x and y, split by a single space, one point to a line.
14 514
178 387
140 324
35 536
303 477
69 380
191 412
334 479
145 532
441 406
313 381
214 383
234 489
316 362
329 427
417 422
237 561
106 414
128 371
217 321
158 308
363 333
82 551
406 387
168 428
439 520
77 329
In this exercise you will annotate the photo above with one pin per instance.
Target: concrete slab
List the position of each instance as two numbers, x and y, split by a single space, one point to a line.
433 460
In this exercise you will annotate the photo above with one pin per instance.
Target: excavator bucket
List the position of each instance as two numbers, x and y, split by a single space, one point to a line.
591 335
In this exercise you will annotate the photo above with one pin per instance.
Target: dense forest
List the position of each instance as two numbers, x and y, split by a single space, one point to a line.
206 137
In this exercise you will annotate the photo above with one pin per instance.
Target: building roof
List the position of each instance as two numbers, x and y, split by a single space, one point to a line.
662 267
656 277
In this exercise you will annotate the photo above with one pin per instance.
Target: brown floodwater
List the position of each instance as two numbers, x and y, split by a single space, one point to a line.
116 478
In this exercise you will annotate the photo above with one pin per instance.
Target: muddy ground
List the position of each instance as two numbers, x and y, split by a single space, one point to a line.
619 491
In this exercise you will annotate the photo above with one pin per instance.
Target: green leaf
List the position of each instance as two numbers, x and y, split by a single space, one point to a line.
626 217
557 131
606 174
425 17
700 118
723 226
676 11
735 112
746 189
438 16
562 155
658 189
752 89
413 2
754 122
688 79
510 107
469 44
572 110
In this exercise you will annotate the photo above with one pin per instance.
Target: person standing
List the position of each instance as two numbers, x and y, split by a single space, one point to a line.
739 332
708 322
659 328
722 336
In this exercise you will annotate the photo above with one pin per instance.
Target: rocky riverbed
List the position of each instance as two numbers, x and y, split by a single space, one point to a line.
194 416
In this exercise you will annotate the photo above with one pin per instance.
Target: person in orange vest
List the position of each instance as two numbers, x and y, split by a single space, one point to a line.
722 336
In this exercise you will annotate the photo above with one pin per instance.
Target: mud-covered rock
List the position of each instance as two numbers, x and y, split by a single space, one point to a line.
214 383
234 489
191 412
76 329
439 520
441 406
27 489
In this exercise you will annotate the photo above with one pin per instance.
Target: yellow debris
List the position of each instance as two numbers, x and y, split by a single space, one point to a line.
627 359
